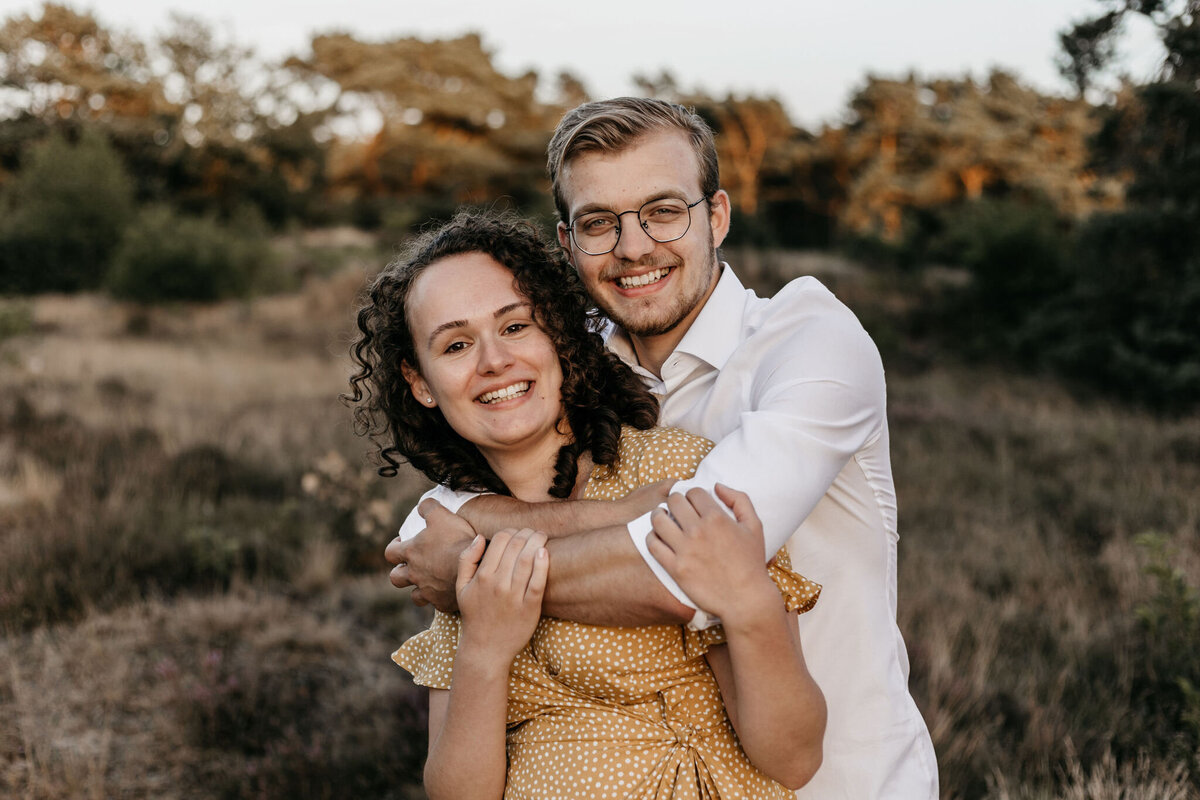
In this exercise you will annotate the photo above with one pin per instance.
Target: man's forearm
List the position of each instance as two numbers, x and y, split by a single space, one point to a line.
599 578
488 514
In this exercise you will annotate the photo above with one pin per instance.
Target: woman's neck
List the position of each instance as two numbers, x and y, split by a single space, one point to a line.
529 474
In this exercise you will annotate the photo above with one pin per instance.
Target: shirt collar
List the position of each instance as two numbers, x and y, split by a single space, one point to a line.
713 335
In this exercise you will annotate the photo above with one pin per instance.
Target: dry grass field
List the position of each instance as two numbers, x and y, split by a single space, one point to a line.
194 604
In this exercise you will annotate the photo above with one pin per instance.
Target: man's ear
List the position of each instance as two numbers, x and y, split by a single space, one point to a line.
564 241
417 385
719 214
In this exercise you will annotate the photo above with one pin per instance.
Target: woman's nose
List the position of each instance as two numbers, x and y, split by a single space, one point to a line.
494 356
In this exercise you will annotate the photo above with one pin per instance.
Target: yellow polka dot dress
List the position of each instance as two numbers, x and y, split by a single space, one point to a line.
598 712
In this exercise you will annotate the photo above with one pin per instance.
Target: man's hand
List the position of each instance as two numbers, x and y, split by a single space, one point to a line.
429 560
645 499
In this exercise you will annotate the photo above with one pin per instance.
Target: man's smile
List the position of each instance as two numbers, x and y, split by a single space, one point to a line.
645 279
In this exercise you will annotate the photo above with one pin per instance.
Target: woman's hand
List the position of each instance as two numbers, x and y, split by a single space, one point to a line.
718 560
500 591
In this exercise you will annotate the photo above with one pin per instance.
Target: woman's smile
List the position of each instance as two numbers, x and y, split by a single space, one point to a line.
517 389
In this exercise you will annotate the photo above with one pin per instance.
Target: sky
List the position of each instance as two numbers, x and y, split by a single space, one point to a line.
811 55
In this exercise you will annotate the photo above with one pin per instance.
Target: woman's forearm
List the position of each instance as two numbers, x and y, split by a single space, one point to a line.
776 707
466 731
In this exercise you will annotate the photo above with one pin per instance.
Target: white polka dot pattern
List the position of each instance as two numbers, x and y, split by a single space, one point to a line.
602 712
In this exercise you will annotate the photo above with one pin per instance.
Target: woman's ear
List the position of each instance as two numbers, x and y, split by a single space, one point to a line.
418 386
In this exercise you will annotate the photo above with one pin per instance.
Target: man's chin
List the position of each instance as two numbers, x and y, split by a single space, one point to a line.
643 327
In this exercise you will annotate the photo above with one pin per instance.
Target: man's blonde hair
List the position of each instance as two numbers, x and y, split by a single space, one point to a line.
609 126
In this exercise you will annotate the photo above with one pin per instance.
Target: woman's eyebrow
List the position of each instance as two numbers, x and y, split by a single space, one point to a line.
500 312
462 323
445 326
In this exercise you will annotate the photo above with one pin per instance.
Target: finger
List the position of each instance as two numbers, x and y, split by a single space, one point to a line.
507 569
523 565
663 554
541 572
495 551
704 503
396 551
739 503
682 510
430 507
468 563
400 578
665 528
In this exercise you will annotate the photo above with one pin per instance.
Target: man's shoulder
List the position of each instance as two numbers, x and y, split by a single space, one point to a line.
803 306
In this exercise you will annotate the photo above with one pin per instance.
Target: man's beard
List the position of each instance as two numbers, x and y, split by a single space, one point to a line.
678 309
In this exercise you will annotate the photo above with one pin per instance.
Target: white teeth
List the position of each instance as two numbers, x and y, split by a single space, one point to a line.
641 280
504 394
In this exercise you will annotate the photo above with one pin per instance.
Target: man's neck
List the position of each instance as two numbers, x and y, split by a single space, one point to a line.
653 351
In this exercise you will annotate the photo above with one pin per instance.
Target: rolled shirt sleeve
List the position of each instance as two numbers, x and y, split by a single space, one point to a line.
414 523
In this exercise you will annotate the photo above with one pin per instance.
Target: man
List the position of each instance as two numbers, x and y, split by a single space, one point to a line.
791 390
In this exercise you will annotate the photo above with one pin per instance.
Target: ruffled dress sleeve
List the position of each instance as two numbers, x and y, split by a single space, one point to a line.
429 655
798 592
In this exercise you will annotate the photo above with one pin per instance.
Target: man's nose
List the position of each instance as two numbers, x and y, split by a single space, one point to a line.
634 242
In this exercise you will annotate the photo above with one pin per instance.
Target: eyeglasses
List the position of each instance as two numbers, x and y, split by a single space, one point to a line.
664 220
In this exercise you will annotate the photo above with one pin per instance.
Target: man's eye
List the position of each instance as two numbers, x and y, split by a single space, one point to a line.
597 224
662 213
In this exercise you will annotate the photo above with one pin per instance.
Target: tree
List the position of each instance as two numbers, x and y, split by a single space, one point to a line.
63 216
445 124
199 120
1130 322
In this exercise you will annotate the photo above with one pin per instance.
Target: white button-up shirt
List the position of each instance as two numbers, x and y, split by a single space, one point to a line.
791 389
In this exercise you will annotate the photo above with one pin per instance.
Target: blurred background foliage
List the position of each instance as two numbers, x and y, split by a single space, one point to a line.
190 546
1074 225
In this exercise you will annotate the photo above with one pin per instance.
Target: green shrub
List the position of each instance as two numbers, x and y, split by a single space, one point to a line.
1129 323
166 256
1015 255
63 215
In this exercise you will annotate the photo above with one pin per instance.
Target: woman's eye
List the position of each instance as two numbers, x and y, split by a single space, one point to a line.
454 347
516 327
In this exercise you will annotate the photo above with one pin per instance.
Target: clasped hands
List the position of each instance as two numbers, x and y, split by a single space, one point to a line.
705 550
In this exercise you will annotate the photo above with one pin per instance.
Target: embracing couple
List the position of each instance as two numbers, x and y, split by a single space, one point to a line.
663 542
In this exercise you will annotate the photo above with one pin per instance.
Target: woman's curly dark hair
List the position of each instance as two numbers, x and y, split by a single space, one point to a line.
599 392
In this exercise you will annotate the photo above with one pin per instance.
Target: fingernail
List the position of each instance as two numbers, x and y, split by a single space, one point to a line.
542 553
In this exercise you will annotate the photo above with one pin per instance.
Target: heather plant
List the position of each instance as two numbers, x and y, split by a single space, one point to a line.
132 519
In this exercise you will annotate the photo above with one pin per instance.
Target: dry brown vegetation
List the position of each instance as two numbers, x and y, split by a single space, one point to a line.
194 602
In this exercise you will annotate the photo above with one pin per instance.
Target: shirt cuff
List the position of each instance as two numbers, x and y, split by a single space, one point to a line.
639 529
449 498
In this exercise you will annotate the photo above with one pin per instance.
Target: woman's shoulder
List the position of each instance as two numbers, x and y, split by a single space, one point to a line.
661 437
659 453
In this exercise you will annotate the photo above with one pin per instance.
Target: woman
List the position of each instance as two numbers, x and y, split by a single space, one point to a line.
478 363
